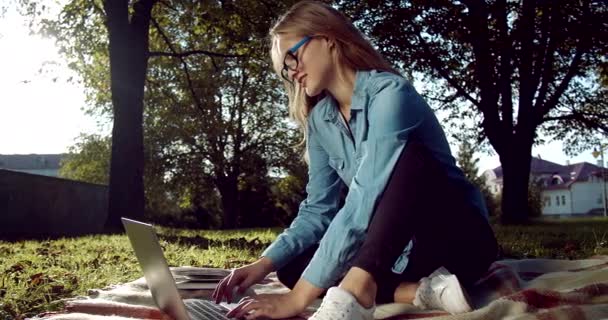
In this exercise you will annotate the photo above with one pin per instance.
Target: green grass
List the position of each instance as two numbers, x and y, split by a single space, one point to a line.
36 275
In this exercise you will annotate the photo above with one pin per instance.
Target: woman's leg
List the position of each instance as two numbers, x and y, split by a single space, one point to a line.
421 203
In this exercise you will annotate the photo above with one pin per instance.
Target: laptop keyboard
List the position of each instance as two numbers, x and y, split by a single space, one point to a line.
204 310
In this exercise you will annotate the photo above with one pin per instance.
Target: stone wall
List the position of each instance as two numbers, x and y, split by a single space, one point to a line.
40 206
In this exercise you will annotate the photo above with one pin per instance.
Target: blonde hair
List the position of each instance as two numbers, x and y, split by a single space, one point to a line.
353 50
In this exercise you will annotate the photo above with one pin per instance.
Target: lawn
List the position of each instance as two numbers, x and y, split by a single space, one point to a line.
36 275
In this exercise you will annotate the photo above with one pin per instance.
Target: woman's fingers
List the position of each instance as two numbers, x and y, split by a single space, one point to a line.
224 289
227 292
248 307
244 302
219 290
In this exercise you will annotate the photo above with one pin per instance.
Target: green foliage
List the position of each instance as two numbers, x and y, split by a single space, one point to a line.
289 192
206 117
88 160
437 41
514 69
468 164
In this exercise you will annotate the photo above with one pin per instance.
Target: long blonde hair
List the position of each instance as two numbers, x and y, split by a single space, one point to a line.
352 49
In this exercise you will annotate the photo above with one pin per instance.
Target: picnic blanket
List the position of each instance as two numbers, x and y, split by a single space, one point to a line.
511 289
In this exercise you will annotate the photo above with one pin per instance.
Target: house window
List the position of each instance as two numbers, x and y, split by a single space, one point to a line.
548 201
563 200
599 199
557 201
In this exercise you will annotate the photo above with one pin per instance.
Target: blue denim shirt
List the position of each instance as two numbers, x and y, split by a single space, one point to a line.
386 111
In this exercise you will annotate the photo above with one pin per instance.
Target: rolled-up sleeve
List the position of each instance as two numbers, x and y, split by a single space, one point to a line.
395 111
315 212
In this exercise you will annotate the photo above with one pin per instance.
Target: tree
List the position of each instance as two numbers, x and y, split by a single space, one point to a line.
512 67
206 113
128 56
94 35
88 160
218 115
114 36
468 164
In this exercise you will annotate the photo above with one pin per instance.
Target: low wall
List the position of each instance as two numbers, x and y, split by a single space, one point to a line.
40 206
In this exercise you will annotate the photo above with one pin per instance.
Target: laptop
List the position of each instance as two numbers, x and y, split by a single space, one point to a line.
160 280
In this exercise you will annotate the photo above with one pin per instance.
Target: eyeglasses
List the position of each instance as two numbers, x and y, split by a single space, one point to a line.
290 62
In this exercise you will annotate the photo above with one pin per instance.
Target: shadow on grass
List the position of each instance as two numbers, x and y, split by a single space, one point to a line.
205 243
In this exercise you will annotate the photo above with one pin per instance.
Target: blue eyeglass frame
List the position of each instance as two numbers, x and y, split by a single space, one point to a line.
291 52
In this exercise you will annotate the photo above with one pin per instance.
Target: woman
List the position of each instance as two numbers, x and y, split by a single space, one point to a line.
409 216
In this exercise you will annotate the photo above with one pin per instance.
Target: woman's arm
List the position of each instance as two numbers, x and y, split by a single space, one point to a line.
315 212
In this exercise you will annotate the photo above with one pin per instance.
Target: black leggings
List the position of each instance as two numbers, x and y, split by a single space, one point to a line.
419 203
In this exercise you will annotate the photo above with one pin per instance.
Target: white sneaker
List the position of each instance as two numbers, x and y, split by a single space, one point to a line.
340 304
442 290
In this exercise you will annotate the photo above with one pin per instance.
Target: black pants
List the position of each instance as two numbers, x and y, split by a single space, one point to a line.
419 203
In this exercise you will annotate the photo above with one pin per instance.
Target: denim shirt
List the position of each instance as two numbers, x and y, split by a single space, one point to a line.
386 111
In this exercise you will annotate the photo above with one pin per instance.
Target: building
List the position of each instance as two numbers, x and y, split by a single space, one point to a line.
40 164
571 189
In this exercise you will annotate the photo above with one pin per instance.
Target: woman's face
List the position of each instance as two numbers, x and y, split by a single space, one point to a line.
315 67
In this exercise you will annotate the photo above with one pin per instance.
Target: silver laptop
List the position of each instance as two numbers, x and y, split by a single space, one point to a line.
160 281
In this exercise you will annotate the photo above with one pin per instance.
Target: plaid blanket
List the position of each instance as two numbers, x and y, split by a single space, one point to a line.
540 289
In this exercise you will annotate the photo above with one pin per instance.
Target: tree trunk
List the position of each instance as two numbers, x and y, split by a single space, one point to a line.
229 192
516 174
128 47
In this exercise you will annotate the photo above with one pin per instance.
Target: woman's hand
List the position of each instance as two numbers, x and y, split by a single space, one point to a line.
273 306
277 306
243 277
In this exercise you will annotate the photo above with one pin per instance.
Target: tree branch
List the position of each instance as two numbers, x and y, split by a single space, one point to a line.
506 68
549 57
184 54
164 3
97 8
496 131
184 66
479 37
436 64
526 91
581 48
577 116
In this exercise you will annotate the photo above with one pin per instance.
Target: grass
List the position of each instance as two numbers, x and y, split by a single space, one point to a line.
36 275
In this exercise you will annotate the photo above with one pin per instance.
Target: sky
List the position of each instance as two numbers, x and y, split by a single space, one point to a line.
39 115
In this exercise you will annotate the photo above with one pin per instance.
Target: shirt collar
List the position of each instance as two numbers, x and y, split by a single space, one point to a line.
358 100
